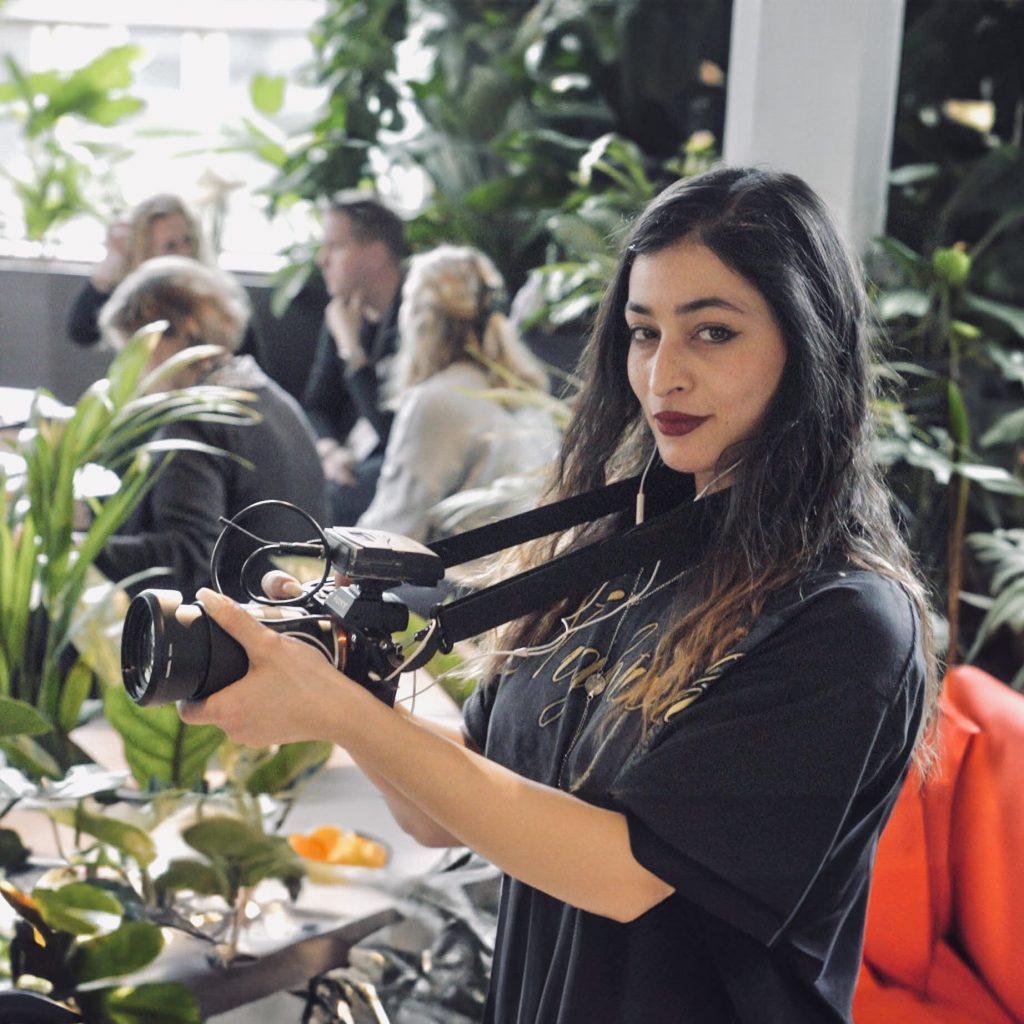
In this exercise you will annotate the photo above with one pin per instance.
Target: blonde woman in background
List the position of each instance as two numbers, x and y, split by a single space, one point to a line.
162 225
159 226
448 434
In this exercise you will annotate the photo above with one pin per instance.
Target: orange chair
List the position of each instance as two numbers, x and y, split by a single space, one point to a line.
945 929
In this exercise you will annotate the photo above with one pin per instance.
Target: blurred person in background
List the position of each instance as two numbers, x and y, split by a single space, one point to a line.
162 225
449 434
361 261
178 522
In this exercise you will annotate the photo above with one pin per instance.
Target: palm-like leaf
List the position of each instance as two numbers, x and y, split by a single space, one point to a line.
43 561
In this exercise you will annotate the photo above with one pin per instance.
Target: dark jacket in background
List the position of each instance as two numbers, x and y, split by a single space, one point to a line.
177 524
334 399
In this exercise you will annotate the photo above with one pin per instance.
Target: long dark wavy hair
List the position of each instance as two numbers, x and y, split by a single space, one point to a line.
805 487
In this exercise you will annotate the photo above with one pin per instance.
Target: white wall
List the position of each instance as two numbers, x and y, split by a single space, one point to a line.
812 89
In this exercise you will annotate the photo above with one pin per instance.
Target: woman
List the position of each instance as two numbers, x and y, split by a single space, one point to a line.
684 783
178 522
161 225
449 435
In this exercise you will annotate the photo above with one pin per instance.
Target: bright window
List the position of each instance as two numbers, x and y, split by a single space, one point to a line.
199 58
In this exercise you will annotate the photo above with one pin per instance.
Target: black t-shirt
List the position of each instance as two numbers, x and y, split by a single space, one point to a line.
760 798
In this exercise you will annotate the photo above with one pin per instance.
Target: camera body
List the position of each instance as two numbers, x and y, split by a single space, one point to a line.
175 651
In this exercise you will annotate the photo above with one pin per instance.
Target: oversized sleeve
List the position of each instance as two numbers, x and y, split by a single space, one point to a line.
787 765
476 711
430 447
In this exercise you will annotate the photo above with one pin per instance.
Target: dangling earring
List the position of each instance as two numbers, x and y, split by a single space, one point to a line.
640 490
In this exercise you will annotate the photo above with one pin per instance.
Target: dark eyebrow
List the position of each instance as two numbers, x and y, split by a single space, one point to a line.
710 301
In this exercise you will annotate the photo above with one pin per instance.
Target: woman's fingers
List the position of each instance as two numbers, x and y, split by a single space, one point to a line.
280 585
233 619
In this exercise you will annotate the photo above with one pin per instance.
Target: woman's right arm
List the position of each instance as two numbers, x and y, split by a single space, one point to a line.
409 816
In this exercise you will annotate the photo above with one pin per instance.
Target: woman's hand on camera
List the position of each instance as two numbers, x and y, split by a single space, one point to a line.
288 693
281 585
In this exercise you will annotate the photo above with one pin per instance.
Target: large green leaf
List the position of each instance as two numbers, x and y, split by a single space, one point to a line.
246 854
1007 430
158 746
77 685
130 948
19 718
159 1003
1012 316
193 875
902 302
130 840
288 763
78 908
1007 610
991 478
23 752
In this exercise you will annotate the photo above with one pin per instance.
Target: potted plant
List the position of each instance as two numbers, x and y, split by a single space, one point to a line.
46 560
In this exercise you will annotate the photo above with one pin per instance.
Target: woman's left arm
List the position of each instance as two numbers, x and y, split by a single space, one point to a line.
549 839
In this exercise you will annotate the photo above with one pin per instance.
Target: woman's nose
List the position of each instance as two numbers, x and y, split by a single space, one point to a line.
670 369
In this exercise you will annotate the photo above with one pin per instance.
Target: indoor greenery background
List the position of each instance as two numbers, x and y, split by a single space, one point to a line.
541 127
544 126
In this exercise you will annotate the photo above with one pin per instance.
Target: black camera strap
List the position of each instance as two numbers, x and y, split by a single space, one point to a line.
674 537
538 522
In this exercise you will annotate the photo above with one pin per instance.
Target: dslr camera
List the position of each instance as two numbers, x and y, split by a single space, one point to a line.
174 651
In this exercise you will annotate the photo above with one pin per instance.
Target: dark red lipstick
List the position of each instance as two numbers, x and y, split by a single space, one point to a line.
675 424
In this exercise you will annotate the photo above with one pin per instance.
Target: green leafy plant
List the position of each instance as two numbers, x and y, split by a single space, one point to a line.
161 750
45 561
236 856
66 167
493 116
1002 552
76 936
956 228
99 916
959 341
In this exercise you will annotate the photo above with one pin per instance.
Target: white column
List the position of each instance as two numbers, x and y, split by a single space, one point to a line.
812 89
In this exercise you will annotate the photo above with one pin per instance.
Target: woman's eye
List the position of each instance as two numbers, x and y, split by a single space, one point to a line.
641 332
716 334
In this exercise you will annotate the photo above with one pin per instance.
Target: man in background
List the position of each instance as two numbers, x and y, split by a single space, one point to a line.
361 262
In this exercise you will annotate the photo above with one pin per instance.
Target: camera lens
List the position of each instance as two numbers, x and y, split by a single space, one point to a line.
172 651
147 651
140 646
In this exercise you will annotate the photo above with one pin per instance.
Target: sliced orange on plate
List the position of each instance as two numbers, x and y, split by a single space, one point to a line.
332 845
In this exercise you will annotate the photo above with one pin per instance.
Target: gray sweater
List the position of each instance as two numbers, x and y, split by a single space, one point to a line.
446 438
